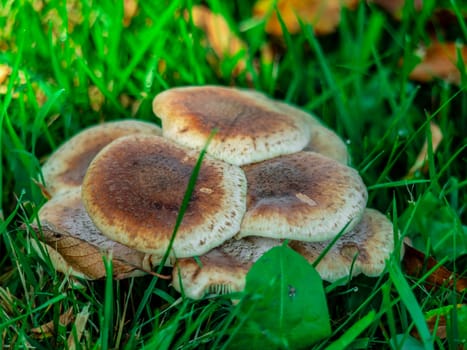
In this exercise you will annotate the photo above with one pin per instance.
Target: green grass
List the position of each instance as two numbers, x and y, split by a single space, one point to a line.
354 80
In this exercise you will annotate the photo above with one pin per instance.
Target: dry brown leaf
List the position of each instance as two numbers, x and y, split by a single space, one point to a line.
96 98
417 263
7 301
19 83
5 71
80 325
45 193
75 246
439 60
395 7
223 41
323 15
130 9
421 161
48 330
438 322
8 12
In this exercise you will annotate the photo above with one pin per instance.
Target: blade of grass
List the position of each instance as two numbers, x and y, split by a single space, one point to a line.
331 82
411 303
345 340
107 312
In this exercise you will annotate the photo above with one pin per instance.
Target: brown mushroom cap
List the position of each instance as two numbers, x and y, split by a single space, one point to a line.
249 129
134 187
76 246
224 269
322 139
326 142
367 247
67 165
302 196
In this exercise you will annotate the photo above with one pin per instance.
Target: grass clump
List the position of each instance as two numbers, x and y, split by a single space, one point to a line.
73 64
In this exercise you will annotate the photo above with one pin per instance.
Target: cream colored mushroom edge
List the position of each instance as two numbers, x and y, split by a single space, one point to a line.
272 172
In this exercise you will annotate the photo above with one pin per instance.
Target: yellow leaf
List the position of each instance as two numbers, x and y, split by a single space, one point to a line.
96 98
223 41
47 329
80 326
5 71
395 7
323 15
439 60
130 9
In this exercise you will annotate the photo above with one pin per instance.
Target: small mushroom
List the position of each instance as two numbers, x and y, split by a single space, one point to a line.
76 246
249 129
133 192
364 249
66 167
302 196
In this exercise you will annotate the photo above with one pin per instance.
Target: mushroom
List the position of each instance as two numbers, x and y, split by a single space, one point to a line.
134 187
222 270
326 142
249 129
322 139
302 196
76 246
66 167
364 249
272 172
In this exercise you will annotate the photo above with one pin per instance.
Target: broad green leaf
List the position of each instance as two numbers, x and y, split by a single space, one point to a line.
436 225
284 304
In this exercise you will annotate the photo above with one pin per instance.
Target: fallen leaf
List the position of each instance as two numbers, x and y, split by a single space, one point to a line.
223 41
60 29
439 322
79 327
8 12
20 82
323 15
96 98
7 301
45 193
48 330
421 161
75 246
5 71
130 9
395 7
439 60
417 263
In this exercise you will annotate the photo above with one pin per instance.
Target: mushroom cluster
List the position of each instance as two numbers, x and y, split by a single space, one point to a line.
271 173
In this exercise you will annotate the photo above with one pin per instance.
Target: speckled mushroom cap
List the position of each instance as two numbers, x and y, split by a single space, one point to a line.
322 139
134 187
326 142
367 247
222 270
364 249
302 196
76 246
249 129
67 165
